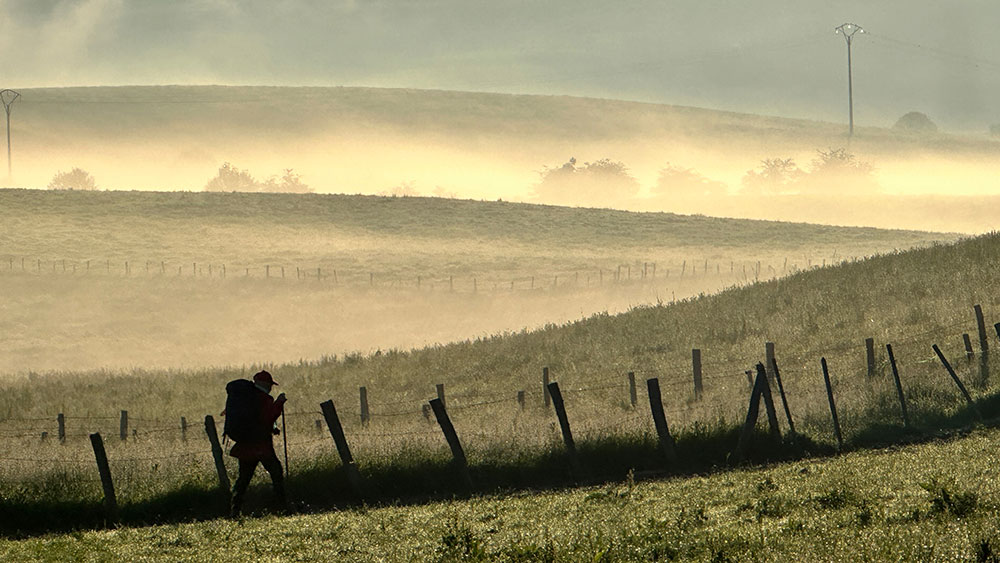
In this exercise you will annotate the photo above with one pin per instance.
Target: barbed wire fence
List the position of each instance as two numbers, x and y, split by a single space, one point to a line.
141 440
625 272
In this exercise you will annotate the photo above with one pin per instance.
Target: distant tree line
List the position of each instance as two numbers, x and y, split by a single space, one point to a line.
608 182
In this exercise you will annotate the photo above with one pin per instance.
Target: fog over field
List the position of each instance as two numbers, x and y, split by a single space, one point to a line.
647 108
544 215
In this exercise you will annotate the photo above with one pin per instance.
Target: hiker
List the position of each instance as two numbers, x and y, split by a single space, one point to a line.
250 416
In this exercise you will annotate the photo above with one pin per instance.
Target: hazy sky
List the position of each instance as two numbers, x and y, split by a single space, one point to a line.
767 56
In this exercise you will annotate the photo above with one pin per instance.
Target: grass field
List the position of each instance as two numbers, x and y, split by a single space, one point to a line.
483 268
937 501
910 299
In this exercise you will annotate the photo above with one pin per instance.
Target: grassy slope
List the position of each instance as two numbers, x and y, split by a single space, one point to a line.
52 225
937 501
62 320
909 299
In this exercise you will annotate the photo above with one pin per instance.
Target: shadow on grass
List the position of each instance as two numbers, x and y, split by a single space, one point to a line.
415 477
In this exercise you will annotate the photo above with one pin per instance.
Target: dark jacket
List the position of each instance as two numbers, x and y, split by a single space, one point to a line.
260 446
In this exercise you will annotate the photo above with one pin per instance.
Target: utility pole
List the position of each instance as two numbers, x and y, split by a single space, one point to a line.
848 30
8 97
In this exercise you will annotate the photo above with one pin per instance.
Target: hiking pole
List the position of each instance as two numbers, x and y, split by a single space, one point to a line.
284 438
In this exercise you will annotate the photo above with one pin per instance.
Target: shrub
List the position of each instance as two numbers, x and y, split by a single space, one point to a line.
75 179
601 183
232 179
774 176
915 122
290 183
675 181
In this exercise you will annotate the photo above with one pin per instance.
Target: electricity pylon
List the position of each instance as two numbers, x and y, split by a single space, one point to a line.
8 97
848 30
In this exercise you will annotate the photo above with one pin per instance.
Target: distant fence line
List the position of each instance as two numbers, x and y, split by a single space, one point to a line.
623 273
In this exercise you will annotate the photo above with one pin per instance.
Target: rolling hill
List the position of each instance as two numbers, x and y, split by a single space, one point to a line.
477 145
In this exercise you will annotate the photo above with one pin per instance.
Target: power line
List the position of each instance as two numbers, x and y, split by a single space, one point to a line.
979 63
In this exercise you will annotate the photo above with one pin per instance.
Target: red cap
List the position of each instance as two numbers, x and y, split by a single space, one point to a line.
264 377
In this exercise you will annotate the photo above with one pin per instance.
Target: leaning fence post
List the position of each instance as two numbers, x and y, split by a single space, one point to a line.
123 426
220 465
769 359
441 414
969 353
870 356
184 429
337 432
557 403
772 415
363 391
753 412
61 420
545 387
631 388
696 372
958 382
833 407
660 420
784 400
899 386
110 502
440 393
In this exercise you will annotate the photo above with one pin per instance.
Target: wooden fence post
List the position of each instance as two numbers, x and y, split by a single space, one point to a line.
769 360
557 402
899 386
547 398
452 438
123 426
520 399
784 400
753 412
660 420
958 382
870 355
363 391
110 502
220 464
984 342
440 393
61 420
772 415
969 353
184 429
337 432
833 406
696 372
631 389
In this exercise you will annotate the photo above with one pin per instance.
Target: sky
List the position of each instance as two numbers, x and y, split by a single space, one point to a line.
767 56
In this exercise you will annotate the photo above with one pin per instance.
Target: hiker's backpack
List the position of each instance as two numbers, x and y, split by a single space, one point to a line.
243 419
